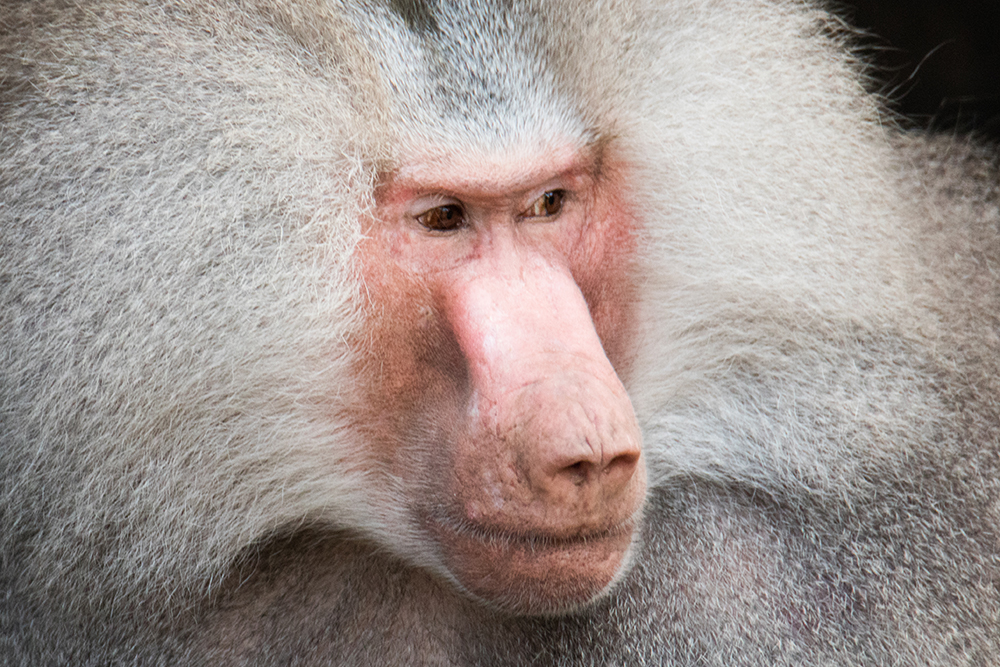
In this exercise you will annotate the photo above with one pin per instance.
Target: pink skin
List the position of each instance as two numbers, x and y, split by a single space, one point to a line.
534 500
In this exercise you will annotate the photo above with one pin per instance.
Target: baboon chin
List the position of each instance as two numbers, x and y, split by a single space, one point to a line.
484 332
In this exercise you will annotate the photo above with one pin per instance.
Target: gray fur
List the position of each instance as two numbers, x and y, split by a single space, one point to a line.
181 185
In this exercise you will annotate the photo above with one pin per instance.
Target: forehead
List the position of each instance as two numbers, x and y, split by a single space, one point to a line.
469 74
496 173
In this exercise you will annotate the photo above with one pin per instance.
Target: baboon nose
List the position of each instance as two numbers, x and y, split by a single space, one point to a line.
592 472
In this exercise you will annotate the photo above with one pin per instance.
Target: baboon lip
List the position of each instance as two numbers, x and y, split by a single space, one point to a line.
539 539
534 571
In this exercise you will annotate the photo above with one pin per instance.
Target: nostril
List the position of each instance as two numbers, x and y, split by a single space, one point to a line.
619 468
579 472
621 464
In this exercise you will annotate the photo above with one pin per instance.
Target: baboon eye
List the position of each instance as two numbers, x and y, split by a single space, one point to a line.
443 218
547 205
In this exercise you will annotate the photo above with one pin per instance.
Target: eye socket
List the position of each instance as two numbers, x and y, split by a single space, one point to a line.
443 218
546 206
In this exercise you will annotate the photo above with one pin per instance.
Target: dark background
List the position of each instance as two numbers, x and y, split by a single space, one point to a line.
938 59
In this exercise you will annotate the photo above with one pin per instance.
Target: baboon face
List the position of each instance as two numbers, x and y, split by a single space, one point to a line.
498 283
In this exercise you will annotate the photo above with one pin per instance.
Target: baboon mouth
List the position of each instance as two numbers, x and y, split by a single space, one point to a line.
534 571
532 539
